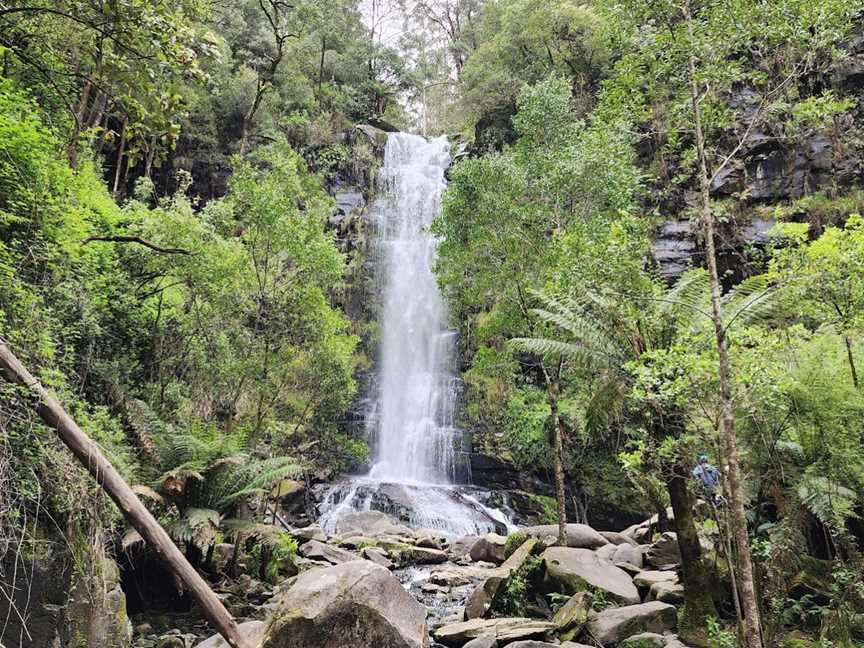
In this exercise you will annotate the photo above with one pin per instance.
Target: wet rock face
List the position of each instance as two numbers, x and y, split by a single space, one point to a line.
357 604
96 609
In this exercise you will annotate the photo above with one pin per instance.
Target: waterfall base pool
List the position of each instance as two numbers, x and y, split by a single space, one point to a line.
451 510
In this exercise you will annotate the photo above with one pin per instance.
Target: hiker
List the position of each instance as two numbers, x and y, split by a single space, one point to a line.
709 477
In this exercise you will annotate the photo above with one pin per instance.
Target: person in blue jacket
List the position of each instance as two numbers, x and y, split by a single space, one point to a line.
709 477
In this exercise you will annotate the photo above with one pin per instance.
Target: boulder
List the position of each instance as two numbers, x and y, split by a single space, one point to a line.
372 524
486 641
462 546
483 596
664 553
357 604
579 536
378 556
667 591
311 532
606 552
250 630
574 570
573 644
315 550
505 630
649 577
429 542
630 568
407 554
644 640
628 553
613 625
489 548
530 643
572 616
616 538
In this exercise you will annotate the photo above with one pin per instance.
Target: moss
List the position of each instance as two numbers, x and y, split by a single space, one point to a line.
521 586
548 509
514 541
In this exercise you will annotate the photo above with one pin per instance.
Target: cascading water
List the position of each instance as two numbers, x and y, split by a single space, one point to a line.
412 416
413 423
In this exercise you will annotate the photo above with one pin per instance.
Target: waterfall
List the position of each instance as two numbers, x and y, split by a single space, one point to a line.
411 416
412 421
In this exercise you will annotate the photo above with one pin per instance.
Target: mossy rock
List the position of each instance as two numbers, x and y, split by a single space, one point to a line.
797 639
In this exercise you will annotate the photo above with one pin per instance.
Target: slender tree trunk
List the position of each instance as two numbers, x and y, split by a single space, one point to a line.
698 603
851 358
749 600
553 391
119 168
89 454
321 63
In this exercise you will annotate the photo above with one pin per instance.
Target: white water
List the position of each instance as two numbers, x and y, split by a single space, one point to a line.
413 417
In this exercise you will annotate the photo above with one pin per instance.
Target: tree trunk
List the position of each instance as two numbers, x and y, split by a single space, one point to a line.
749 600
851 359
698 604
558 457
89 454
119 168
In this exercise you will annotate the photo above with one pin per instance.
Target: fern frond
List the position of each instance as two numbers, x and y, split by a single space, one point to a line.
755 300
586 358
267 534
253 477
197 526
831 503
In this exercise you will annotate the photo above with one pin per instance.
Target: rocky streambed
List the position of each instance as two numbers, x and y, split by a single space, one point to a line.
374 582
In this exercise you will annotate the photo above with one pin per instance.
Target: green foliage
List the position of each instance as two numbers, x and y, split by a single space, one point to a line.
514 541
718 636
521 586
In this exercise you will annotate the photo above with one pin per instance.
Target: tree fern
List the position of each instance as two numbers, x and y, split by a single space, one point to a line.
831 503
250 478
197 526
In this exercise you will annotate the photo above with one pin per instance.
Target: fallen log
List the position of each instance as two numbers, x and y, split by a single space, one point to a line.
89 454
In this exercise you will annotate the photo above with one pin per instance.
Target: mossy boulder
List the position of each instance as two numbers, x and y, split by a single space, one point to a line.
358 604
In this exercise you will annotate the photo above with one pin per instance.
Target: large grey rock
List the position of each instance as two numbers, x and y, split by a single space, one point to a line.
664 553
618 538
667 591
505 630
357 604
488 548
315 550
378 556
606 552
628 553
482 598
250 630
486 641
311 532
579 536
574 570
650 577
530 643
644 640
613 625
462 546
371 524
